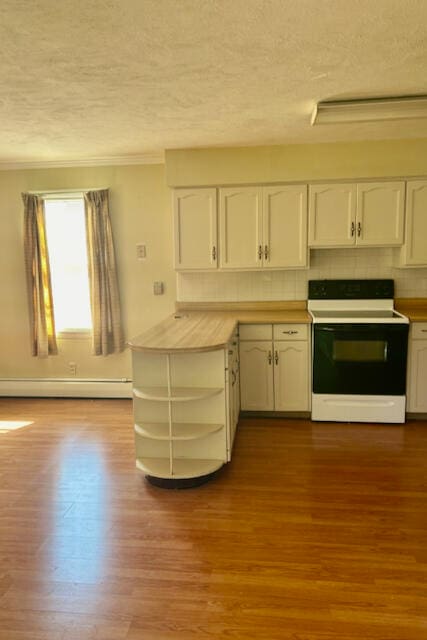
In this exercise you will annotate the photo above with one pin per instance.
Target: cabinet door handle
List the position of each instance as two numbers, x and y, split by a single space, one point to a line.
290 332
423 330
353 229
213 253
359 229
276 357
270 358
266 252
260 252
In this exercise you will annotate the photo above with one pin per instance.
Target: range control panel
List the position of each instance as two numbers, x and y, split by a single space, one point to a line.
350 289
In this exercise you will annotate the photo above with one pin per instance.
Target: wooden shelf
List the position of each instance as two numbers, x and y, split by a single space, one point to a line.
178 394
180 430
182 468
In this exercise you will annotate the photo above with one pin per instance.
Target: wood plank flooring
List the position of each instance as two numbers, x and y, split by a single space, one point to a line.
314 531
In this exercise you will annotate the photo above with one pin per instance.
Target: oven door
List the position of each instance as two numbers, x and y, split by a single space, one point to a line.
360 358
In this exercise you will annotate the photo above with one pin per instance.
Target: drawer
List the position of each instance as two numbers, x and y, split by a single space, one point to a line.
290 331
419 330
256 332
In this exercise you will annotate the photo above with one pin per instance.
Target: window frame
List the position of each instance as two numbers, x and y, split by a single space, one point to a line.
71 333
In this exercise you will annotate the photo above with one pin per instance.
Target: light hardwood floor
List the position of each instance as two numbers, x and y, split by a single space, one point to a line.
313 532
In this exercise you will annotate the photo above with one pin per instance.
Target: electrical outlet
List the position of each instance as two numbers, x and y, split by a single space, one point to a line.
141 251
158 288
72 368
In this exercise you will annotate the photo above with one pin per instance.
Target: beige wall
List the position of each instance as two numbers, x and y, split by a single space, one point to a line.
140 212
195 167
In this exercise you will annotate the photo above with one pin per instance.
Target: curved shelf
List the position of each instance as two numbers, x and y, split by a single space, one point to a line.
180 430
182 468
178 394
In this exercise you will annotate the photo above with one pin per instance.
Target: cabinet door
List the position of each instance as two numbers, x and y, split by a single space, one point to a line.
240 228
233 389
417 369
414 251
285 226
332 215
256 376
195 226
418 377
380 214
291 376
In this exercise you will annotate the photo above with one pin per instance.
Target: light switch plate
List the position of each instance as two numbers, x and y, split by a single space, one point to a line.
158 288
141 251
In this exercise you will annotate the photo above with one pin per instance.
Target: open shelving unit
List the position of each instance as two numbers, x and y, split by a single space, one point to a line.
180 417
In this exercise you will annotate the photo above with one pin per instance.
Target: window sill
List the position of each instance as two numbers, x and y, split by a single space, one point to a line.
74 334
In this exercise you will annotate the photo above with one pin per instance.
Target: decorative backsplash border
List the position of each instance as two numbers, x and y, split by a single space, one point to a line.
292 284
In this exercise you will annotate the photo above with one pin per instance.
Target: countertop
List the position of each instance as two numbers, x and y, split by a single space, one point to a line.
197 327
413 308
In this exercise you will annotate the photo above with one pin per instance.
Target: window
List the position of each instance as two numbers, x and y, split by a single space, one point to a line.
66 242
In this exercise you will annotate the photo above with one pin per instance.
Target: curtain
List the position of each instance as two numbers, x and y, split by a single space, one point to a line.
42 323
107 335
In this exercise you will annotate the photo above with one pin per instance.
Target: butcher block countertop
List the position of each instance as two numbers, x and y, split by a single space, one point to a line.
413 308
197 327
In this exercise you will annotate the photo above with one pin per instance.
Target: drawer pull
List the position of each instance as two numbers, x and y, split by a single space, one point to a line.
423 330
291 332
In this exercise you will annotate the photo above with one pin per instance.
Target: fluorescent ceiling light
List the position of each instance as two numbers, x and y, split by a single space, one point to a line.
369 110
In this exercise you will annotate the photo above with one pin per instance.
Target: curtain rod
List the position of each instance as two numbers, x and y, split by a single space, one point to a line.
47 191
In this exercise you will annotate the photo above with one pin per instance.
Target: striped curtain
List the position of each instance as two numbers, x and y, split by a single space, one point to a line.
42 323
107 334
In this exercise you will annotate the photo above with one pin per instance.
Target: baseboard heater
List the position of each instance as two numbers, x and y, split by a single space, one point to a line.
66 387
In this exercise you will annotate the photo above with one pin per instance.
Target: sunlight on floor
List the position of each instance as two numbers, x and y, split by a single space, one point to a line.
12 425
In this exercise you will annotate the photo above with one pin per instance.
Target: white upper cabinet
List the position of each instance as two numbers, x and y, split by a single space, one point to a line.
362 214
195 228
414 251
380 213
240 212
332 215
263 227
285 226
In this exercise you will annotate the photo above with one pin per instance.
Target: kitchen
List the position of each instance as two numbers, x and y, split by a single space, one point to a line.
384 214
312 530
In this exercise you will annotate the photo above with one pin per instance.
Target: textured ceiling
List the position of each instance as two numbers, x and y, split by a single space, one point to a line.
106 79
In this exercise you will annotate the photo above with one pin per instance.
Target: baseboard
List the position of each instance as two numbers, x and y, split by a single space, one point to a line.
66 387
276 414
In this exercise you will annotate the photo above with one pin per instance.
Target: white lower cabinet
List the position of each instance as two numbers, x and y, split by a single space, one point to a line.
256 375
274 367
417 368
233 398
181 413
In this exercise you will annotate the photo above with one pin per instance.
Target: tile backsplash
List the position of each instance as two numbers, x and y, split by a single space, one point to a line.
292 284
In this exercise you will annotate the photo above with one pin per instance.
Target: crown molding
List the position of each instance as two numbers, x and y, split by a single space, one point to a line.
146 158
